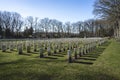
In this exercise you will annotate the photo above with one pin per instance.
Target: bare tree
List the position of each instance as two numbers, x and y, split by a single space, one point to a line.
16 23
68 28
110 10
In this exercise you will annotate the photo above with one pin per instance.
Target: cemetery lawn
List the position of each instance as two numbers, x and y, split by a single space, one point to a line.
101 64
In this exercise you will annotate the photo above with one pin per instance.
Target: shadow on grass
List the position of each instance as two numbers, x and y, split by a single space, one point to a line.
97 76
42 75
7 52
81 62
34 52
61 53
13 62
50 57
58 55
91 56
27 54
87 58
26 76
26 62
14 50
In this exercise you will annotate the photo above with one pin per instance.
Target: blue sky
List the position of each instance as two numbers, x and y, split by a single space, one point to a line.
63 10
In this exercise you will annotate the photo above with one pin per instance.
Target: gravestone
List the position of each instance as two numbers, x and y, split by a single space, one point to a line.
75 53
79 52
55 50
41 53
69 56
82 51
11 46
4 48
28 48
35 47
48 50
20 51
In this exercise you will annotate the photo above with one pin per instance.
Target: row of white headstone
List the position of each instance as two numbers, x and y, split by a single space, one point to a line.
85 49
28 44
78 46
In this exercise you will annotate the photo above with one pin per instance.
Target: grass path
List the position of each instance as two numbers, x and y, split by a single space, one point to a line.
101 64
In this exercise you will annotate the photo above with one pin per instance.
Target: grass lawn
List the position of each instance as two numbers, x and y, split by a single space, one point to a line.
101 64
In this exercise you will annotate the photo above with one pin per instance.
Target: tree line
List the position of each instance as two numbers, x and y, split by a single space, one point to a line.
13 25
109 10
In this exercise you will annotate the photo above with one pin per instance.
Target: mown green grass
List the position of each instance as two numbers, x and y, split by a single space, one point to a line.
101 64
